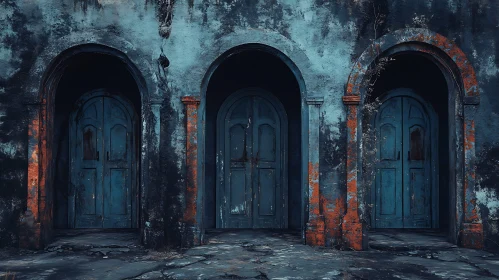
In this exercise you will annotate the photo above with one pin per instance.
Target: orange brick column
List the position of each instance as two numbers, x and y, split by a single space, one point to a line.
351 226
30 235
192 219
315 226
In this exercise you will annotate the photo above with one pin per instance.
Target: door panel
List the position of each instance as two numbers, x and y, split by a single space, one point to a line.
88 171
417 176
266 143
237 154
388 196
118 143
117 167
388 142
403 184
238 192
266 149
102 165
266 192
250 142
118 198
90 142
237 136
87 195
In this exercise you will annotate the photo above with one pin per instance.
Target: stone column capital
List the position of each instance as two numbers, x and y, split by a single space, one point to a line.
191 100
351 100
471 100
315 100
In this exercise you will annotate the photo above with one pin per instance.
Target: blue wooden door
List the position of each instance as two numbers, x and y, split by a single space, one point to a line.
266 166
417 165
86 197
237 154
251 167
388 196
403 184
101 158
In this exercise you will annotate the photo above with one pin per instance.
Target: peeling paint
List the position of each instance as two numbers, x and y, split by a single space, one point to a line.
490 199
9 149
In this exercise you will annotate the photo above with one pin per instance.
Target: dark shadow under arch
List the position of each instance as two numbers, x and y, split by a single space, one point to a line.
254 47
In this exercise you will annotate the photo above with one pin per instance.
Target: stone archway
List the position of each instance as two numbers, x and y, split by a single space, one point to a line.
463 87
312 225
37 221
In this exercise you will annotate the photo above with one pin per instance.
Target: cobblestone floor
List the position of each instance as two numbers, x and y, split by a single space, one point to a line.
248 255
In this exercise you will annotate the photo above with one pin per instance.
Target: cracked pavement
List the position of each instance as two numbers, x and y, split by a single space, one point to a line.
248 254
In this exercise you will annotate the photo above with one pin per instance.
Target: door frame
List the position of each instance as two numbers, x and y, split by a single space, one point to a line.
226 105
434 168
128 106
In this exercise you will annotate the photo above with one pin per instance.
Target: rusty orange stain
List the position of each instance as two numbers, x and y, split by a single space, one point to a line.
469 139
191 160
351 228
352 235
314 235
333 215
351 99
350 86
472 235
469 81
352 215
45 152
313 182
352 122
469 202
466 70
473 216
39 202
315 238
33 169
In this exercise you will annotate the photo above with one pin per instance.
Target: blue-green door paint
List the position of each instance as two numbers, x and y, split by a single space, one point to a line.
252 185
102 164
405 188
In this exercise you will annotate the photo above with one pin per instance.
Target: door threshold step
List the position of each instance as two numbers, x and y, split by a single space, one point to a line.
404 241
88 240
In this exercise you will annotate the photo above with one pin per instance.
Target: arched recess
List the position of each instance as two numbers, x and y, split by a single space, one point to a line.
465 227
196 145
38 221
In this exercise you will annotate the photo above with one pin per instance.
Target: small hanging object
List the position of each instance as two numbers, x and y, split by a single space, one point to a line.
163 61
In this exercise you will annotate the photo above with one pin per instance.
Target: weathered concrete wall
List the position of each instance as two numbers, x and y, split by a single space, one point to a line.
323 38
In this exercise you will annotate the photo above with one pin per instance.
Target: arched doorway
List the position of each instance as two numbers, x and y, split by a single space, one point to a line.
102 157
74 72
405 189
96 93
262 75
252 173
440 73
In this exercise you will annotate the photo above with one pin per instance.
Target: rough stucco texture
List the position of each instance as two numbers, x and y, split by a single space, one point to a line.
331 34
